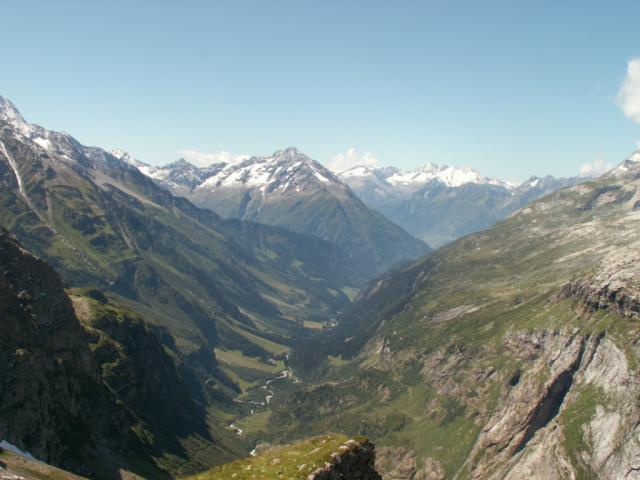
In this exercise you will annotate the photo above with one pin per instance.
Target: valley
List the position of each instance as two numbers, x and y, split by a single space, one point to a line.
219 346
291 190
302 240
499 372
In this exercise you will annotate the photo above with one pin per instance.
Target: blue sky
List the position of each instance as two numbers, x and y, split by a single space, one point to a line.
510 88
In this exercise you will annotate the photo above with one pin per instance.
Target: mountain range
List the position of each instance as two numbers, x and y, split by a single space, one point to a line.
201 283
440 203
291 190
144 336
436 203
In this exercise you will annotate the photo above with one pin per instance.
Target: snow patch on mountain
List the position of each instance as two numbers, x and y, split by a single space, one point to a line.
631 164
10 114
156 173
14 167
635 157
431 172
283 171
54 143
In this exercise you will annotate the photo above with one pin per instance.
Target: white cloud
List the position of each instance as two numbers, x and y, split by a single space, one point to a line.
595 168
629 94
351 158
205 159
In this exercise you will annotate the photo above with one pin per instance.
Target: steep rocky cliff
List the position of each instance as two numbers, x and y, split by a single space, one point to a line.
141 367
103 396
52 401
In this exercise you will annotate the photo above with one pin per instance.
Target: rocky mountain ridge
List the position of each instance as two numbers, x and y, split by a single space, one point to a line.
205 286
451 176
291 190
437 203
102 223
440 203
52 399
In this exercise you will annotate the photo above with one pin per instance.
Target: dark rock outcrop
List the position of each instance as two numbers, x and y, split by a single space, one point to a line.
52 401
353 460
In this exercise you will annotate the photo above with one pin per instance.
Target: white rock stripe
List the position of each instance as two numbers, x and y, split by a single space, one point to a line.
14 166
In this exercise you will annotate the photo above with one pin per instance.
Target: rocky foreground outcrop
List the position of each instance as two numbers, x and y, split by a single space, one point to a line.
353 460
324 457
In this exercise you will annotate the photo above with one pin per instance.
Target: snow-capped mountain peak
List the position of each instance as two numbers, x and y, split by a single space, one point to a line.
128 158
281 171
635 157
48 140
532 182
9 113
124 156
364 171
430 172
450 176
145 168
181 163
358 171
630 165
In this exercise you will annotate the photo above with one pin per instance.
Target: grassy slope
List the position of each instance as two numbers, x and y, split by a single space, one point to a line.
181 424
295 461
239 285
334 214
416 381
30 469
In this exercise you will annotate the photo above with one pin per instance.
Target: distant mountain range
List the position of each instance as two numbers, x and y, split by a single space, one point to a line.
436 203
291 190
155 337
440 203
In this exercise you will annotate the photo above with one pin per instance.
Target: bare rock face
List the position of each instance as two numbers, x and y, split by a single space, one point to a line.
532 403
615 286
611 436
52 403
353 460
400 463
573 413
